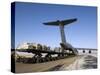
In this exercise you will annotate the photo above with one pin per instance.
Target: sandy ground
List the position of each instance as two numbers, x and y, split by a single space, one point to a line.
47 66
83 62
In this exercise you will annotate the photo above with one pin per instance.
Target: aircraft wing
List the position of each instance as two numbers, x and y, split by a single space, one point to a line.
68 21
56 23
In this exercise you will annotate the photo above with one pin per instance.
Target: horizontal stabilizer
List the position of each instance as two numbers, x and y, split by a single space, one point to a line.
56 23
63 22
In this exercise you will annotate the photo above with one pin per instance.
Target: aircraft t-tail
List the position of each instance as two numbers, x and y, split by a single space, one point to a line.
64 45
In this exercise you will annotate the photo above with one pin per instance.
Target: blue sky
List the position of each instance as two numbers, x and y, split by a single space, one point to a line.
29 19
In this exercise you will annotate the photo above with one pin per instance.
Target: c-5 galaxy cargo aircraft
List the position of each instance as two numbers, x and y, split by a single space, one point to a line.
64 45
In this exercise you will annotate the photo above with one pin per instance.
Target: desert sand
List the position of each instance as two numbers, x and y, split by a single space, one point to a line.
46 66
